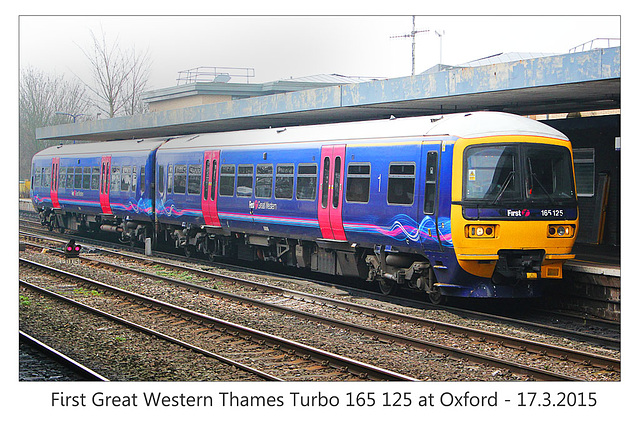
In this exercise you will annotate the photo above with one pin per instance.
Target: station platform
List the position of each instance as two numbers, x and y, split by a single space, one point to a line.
595 259
591 282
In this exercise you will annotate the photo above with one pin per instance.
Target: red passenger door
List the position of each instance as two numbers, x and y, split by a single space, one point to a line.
55 165
105 179
209 188
331 192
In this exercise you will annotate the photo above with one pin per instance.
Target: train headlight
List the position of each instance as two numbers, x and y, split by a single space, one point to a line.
481 231
561 231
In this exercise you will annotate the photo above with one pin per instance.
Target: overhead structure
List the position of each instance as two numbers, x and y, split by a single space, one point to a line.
579 81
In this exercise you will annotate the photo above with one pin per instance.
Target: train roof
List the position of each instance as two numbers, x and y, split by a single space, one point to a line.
101 148
461 125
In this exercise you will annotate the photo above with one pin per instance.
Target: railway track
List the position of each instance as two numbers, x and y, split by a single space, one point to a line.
282 359
577 328
391 319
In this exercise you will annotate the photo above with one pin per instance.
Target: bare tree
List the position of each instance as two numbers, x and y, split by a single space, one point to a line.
119 77
41 97
137 82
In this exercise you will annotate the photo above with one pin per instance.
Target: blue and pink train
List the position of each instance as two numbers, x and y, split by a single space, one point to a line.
475 205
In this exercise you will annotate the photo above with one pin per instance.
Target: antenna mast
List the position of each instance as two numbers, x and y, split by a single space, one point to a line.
412 34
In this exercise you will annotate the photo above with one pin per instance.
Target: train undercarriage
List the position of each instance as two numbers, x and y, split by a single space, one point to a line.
390 270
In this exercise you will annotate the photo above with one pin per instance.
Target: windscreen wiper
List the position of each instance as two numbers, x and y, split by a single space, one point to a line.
533 175
506 183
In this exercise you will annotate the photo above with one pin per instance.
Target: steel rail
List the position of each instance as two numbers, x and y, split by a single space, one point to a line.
77 367
364 370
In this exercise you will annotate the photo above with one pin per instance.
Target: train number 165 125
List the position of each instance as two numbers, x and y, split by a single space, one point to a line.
552 212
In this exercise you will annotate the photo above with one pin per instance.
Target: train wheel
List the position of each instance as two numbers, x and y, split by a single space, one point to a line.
189 251
387 287
436 297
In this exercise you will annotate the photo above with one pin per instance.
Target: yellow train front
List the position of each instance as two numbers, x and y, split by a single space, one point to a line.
514 213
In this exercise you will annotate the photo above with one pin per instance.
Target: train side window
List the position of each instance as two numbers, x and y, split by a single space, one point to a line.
46 177
95 177
264 181
307 181
38 178
195 179
125 181
62 178
161 179
142 179
69 177
401 183
77 182
115 178
358 182
205 196
134 179
86 178
431 180
170 178
245 181
179 179
325 181
284 181
227 179
337 180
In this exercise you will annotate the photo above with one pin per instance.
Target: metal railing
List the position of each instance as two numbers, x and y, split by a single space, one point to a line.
599 43
213 74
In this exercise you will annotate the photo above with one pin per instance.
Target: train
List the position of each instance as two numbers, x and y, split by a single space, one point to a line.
479 204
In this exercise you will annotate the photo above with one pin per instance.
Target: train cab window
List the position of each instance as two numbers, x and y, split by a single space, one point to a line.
125 180
195 179
401 184
170 178
95 177
179 179
161 179
491 173
115 178
430 187
245 181
264 181
284 181
307 181
134 179
142 179
227 179
62 177
86 178
358 182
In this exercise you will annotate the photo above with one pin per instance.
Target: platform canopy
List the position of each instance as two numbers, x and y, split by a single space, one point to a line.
582 81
